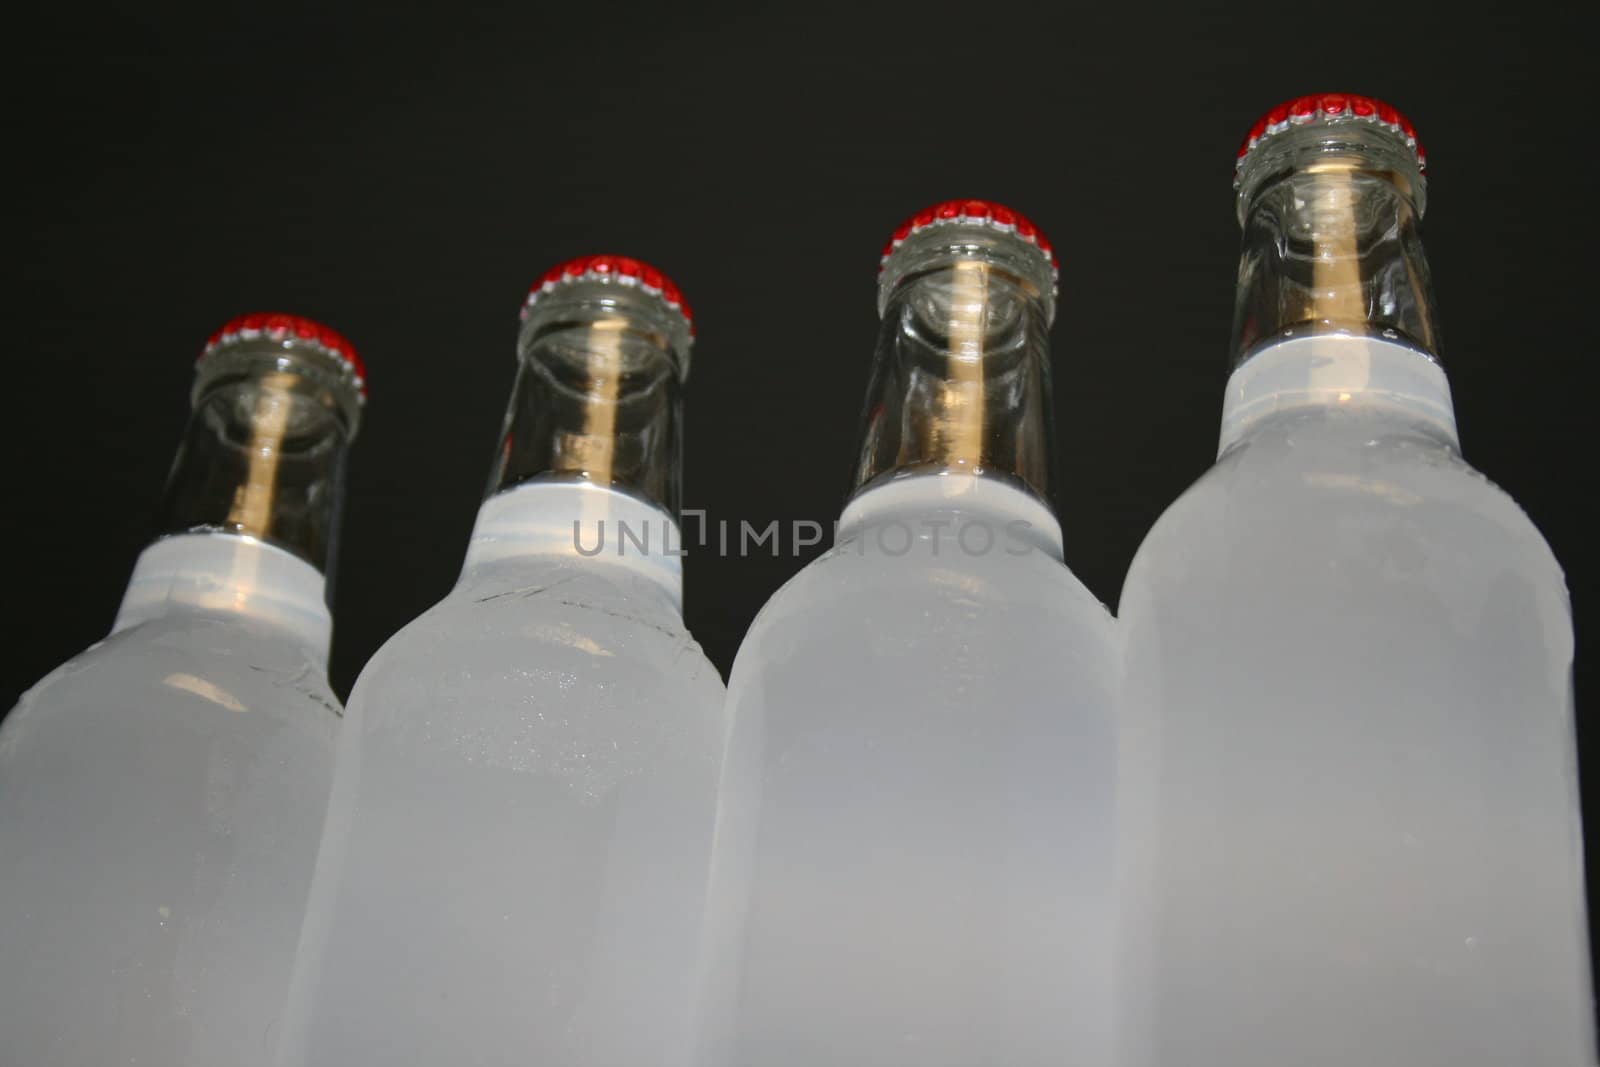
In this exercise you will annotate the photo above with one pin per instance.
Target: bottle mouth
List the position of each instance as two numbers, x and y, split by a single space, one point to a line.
303 333
1332 132
962 241
296 364
603 303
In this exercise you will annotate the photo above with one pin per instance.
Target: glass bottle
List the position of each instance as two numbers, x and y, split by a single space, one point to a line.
1349 802
913 855
517 851
162 793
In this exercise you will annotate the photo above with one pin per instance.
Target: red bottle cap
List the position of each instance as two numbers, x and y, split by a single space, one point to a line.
614 270
972 213
280 327
1329 109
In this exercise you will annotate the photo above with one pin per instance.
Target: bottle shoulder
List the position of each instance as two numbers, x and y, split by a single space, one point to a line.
1318 484
553 630
184 669
215 575
934 536
857 595
559 672
1001 572
539 600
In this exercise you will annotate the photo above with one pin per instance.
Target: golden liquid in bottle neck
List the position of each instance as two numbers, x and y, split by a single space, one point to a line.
592 451
958 423
1336 295
251 512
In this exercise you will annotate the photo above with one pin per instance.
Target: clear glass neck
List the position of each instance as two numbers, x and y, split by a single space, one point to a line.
961 379
265 450
598 396
1330 218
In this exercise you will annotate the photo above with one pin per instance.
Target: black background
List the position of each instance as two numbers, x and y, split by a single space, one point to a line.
404 175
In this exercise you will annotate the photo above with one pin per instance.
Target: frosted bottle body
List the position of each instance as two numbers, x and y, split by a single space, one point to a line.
518 848
919 790
164 793
1350 779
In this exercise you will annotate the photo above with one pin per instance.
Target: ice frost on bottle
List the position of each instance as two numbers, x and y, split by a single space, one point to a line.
1349 792
517 850
162 794
914 843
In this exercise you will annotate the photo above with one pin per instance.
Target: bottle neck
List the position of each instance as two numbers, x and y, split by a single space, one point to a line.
961 378
598 396
1331 243
249 522
264 457
1334 309
588 469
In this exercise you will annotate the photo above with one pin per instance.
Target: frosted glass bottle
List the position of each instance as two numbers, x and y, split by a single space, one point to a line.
162 793
1349 782
517 851
913 859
